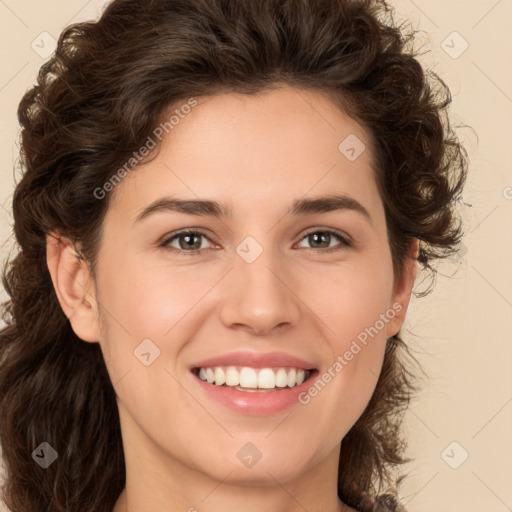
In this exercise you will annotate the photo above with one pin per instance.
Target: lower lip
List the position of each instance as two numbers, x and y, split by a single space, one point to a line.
255 402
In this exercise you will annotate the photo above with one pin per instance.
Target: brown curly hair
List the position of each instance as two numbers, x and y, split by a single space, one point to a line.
96 101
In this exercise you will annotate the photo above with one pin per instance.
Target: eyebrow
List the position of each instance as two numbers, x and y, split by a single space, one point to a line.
205 207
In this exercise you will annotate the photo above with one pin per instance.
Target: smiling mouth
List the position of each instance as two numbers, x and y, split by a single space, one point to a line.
245 378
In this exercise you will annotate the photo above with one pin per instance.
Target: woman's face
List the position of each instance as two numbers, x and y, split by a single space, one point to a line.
266 286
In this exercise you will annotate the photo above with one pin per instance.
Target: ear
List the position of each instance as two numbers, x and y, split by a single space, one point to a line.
73 285
403 290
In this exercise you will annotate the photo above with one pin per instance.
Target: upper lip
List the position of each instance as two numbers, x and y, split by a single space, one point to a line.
255 360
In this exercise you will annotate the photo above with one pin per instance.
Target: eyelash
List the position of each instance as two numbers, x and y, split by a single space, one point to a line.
345 243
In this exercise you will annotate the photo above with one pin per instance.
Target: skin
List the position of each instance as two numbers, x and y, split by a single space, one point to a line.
258 154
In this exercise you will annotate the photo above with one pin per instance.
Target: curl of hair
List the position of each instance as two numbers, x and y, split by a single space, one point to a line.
96 101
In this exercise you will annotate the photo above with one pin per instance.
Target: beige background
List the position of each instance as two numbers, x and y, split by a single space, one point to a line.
462 330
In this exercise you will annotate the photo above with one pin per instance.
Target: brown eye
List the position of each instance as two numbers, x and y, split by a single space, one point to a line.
322 240
319 239
188 242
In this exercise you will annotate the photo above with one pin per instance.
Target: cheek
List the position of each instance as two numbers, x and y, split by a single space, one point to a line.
351 305
349 299
151 303
148 300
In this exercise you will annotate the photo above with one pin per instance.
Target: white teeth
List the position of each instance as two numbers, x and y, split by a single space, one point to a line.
292 377
220 376
252 378
232 376
248 378
281 378
266 379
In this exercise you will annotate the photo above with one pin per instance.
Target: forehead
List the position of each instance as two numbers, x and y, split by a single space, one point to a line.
252 149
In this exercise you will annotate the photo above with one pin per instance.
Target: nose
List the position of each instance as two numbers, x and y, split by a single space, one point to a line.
259 297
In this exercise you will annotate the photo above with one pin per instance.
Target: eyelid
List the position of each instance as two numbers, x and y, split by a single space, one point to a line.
344 244
345 240
341 234
185 231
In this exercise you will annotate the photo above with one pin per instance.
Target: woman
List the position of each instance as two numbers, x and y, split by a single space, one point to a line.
176 339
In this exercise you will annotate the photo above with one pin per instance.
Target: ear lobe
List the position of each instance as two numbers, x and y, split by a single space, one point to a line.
73 284
403 290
